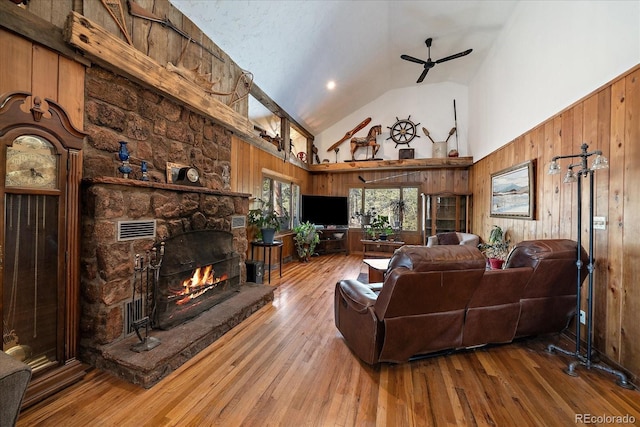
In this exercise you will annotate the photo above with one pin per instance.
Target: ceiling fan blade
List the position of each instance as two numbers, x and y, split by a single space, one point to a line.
412 59
457 55
423 75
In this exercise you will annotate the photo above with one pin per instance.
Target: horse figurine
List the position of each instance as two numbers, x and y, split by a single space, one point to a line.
366 141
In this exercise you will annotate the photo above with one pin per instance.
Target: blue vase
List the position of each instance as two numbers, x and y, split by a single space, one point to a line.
123 154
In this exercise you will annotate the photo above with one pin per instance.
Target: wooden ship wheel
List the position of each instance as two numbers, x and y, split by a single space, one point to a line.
403 131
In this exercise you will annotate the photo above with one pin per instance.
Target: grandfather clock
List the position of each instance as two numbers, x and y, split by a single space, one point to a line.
41 162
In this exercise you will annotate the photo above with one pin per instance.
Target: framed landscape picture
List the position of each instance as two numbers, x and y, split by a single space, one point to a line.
513 192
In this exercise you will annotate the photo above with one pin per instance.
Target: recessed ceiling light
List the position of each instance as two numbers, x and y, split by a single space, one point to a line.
331 85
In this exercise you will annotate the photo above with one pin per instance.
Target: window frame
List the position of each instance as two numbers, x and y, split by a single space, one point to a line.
363 203
269 185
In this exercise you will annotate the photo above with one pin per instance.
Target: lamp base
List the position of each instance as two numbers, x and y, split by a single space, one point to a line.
587 363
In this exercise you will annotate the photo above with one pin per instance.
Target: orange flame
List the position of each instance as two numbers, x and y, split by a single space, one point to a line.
202 280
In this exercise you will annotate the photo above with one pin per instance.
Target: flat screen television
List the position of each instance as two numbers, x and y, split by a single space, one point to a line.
325 210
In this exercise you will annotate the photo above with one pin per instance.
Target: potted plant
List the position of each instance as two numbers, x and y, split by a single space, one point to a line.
380 226
266 223
306 239
496 249
365 217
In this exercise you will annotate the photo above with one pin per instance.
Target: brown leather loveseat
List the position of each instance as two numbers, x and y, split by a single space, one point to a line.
442 298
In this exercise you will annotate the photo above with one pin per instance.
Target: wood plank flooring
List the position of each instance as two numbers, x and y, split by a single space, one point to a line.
287 365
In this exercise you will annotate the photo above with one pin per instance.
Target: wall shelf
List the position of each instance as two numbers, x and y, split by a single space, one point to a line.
405 164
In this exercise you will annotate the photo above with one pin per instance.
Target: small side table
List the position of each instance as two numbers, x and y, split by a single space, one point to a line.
265 246
377 268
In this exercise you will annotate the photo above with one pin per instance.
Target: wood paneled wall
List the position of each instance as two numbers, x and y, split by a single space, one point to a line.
42 72
248 166
607 120
250 163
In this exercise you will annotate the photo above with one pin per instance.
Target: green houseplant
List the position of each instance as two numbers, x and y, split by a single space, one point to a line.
496 248
265 222
306 239
380 226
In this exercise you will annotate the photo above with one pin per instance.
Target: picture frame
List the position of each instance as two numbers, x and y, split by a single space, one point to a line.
513 192
406 153
172 171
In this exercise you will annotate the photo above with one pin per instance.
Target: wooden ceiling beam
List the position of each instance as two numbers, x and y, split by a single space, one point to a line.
271 105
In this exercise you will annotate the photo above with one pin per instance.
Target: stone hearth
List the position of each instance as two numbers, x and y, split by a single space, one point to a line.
182 342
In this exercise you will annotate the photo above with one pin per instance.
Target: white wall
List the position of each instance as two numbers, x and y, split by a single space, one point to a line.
550 55
430 105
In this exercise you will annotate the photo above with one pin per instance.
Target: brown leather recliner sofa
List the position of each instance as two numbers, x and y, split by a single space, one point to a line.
443 298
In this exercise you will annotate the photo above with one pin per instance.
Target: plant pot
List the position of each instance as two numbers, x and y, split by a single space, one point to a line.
304 252
495 263
268 234
383 237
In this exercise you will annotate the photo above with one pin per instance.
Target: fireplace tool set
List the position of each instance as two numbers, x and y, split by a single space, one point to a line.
147 270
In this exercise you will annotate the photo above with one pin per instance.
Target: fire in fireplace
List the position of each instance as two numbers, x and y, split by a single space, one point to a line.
202 281
200 269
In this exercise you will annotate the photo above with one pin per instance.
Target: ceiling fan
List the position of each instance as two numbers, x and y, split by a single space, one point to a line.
429 64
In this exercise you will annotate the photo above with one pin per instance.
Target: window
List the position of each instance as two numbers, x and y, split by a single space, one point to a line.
400 204
283 198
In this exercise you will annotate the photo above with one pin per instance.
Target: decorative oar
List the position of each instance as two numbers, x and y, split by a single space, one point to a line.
350 133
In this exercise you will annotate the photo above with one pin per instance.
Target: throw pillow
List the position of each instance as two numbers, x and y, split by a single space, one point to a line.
448 238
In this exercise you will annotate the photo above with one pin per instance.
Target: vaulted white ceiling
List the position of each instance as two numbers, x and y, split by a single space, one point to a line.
295 47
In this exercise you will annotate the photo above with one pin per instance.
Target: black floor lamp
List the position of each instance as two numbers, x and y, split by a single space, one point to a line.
583 171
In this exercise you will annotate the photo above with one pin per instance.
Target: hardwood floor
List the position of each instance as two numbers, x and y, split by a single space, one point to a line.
287 365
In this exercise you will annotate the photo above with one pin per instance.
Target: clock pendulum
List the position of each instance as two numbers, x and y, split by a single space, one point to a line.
35 271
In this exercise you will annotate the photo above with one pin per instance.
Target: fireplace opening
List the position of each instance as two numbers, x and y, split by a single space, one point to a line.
199 270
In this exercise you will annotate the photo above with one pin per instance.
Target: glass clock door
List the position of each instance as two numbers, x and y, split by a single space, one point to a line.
31 262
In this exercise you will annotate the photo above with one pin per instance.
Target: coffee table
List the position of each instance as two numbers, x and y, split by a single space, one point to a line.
377 268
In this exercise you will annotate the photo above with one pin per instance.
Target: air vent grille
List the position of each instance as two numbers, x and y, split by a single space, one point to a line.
129 230
238 221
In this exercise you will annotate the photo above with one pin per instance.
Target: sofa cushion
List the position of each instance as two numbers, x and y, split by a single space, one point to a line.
448 238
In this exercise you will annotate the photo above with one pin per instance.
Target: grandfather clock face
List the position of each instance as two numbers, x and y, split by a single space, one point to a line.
31 162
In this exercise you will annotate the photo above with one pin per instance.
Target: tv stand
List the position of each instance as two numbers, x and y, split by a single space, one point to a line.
333 240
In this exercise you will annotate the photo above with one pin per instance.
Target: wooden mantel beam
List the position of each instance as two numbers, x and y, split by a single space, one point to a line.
110 52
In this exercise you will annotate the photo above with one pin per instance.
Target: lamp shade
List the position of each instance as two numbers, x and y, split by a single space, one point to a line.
554 168
600 162
570 177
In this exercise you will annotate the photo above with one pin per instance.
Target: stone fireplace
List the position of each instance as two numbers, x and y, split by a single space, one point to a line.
187 220
157 131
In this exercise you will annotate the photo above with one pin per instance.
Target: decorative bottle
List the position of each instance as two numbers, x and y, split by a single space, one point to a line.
123 154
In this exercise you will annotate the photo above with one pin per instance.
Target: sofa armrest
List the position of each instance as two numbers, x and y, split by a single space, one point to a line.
357 295
432 241
469 239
